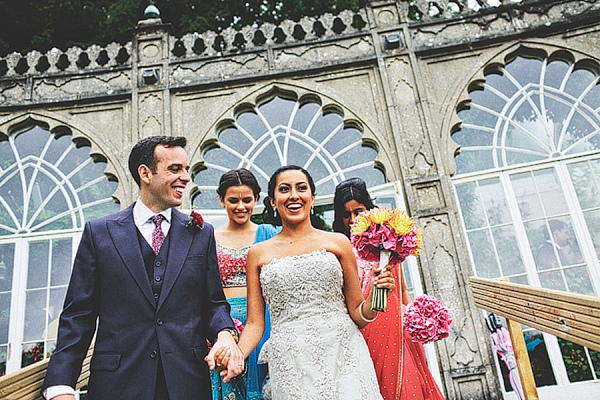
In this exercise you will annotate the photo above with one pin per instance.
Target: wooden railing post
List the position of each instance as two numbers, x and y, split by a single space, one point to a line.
522 358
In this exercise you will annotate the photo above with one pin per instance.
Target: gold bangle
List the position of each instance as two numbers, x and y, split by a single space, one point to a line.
362 315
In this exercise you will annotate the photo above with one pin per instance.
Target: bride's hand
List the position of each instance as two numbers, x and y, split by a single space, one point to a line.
384 280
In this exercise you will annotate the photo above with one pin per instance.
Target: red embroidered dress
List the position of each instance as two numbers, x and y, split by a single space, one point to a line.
400 363
232 265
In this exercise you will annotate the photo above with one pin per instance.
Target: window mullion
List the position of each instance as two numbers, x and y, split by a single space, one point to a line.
521 233
582 233
17 305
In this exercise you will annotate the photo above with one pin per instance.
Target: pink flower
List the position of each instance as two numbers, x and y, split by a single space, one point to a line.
427 320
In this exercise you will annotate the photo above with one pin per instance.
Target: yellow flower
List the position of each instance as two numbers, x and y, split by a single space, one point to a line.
380 215
419 242
361 224
401 222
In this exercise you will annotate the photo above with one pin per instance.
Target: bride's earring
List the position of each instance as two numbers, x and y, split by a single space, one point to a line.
312 209
274 213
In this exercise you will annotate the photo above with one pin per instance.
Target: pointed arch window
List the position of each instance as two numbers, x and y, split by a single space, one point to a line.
529 110
527 186
282 132
49 187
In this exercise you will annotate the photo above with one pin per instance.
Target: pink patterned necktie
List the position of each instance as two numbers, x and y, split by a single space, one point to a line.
158 237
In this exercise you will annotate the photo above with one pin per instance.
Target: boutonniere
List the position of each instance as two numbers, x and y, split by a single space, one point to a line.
196 220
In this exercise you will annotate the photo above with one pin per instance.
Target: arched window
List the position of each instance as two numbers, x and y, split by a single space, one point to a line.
282 132
49 187
528 189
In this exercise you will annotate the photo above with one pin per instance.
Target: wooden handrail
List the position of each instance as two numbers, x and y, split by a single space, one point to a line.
571 316
26 383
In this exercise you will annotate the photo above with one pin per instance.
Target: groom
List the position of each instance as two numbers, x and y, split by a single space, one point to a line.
150 285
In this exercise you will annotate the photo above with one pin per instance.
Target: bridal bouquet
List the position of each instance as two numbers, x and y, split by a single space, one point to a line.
381 233
427 320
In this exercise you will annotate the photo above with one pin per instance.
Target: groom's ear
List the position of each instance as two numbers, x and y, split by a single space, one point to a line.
145 174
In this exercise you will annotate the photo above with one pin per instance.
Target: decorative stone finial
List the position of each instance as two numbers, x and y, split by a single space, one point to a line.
151 12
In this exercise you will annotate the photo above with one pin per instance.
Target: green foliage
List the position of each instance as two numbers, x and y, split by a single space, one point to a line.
575 359
26 25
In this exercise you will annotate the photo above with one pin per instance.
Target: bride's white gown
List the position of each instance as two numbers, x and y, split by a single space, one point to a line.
315 350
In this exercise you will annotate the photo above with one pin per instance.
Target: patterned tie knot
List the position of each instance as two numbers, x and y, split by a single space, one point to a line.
158 236
158 219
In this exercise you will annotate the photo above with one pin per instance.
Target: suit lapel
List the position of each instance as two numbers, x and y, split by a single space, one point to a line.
180 242
124 236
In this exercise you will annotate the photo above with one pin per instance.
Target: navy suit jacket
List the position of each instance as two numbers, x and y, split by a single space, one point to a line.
110 287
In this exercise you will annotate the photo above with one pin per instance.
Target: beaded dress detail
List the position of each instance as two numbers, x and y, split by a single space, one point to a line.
232 265
315 350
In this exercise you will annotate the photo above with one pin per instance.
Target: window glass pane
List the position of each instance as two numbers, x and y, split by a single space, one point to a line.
538 355
7 257
4 316
31 143
61 262
525 70
482 249
508 251
499 82
234 139
553 200
578 280
495 201
579 128
578 82
576 362
473 137
32 353
277 111
342 140
323 127
304 116
35 315
592 219
555 73
37 274
57 298
474 160
526 195
3 359
586 180
552 280
470 205
252 124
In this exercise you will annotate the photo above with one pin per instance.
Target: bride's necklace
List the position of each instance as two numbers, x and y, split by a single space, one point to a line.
297 240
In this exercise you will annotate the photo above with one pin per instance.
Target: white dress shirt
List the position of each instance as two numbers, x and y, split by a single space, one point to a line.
141 218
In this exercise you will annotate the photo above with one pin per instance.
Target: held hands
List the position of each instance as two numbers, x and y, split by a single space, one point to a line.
226 357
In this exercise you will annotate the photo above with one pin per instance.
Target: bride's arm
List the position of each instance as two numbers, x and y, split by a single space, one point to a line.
255 320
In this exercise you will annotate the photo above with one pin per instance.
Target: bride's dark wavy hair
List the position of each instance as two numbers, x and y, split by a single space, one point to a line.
350 189
268 213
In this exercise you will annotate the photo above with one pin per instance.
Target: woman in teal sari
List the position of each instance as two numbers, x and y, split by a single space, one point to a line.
238 192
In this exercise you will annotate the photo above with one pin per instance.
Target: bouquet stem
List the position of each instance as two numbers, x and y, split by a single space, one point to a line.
380 295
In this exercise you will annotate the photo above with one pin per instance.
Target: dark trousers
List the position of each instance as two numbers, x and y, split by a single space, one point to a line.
160 391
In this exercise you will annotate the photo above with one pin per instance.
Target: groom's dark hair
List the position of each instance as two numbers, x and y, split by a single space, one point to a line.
143 152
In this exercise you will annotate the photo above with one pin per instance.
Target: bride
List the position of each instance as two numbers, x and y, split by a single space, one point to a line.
309 280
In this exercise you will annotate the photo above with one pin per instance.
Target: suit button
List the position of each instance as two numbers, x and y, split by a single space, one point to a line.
153 354
158 263
157 279
159 321
156 296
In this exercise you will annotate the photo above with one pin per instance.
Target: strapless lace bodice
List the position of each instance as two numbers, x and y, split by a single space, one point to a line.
316 350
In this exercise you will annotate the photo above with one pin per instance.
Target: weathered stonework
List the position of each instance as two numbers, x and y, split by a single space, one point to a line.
403 99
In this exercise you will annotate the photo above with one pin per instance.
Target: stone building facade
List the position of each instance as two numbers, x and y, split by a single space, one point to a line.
389 86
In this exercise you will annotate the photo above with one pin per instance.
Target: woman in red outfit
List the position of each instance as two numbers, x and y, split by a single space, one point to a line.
400 363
